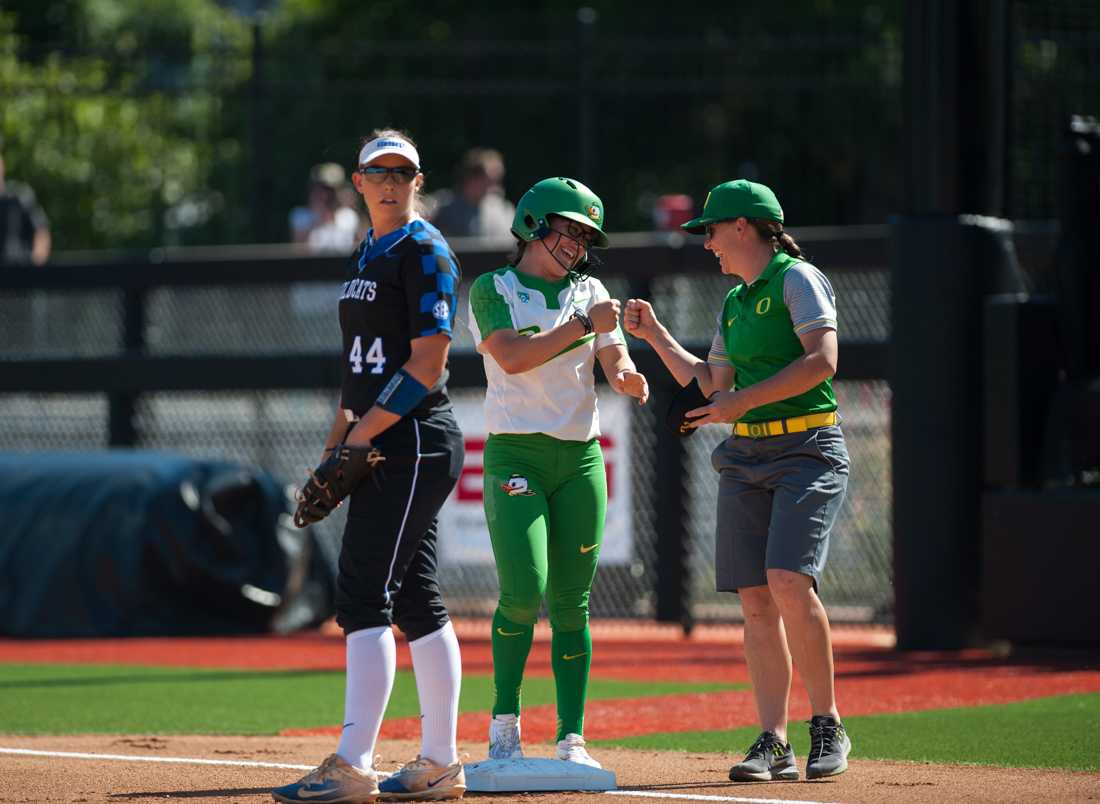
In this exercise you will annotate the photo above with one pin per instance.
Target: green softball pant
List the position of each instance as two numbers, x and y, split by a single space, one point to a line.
545 502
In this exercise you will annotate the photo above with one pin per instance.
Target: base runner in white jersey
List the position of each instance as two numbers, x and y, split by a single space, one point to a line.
541 322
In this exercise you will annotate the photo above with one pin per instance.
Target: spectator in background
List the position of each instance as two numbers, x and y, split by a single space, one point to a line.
328 222
477 206
24 229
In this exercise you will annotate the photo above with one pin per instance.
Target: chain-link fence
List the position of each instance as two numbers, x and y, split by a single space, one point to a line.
281 431
209 105
1055 74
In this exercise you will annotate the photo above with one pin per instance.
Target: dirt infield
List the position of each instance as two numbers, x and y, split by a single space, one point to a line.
871 678
678 777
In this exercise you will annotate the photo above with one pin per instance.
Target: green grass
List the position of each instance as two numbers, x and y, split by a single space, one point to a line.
67 699
1055 732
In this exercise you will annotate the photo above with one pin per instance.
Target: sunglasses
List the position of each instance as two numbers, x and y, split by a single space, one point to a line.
378 175
578 232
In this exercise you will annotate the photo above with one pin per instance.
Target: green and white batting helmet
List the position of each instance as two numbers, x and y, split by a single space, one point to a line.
558 196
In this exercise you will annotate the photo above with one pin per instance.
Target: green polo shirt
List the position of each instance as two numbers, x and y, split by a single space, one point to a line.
759 337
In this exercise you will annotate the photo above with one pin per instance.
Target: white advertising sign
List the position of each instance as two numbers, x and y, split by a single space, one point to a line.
463 536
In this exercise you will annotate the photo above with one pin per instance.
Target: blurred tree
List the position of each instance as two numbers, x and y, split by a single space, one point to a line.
138 121
806 93
114 118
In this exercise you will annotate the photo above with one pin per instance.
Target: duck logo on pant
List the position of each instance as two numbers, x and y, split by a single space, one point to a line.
517 487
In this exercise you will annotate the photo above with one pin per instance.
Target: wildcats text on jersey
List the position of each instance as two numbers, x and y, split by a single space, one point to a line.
396 289
360 289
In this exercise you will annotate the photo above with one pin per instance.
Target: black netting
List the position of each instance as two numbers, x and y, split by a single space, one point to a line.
281 432
60 422
1055 74
53 324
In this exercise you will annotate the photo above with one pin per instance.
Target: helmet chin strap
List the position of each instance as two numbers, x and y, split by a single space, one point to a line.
576 271
583 269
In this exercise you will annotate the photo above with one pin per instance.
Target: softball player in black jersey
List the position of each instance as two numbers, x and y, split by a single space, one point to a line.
397 318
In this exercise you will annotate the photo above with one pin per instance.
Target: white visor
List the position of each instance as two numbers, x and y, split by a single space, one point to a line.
381 146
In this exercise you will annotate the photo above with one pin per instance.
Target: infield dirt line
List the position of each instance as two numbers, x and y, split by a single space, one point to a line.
243 763
256 764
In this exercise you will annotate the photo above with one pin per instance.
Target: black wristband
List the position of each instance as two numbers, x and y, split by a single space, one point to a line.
585 321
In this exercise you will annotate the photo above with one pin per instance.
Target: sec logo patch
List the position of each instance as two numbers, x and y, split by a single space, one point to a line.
441 310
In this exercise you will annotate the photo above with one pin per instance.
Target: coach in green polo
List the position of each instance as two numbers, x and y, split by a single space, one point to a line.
783 471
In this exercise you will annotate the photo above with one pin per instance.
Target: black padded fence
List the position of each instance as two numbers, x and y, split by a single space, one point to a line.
234 355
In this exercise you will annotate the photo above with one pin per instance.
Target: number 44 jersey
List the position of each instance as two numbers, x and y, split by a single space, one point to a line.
398 287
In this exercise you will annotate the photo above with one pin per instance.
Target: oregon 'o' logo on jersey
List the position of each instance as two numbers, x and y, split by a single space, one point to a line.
764 305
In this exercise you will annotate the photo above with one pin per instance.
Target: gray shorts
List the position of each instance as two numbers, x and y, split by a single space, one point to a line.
778 498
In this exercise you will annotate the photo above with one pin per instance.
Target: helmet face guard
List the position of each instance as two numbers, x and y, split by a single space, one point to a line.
558 196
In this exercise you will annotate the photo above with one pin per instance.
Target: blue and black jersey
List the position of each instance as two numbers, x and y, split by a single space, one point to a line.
399 287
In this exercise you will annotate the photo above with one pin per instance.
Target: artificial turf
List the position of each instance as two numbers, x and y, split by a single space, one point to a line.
83 698
1055 732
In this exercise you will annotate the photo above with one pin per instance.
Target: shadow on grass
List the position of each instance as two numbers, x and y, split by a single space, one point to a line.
905 663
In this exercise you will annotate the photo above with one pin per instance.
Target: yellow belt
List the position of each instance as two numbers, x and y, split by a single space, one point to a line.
795 424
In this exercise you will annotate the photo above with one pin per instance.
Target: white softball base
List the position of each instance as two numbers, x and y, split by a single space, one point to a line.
533 774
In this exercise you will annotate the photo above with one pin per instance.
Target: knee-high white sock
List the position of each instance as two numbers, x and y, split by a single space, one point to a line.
371 665
438 667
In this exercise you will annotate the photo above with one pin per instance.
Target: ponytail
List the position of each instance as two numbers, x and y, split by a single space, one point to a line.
773 231
786 242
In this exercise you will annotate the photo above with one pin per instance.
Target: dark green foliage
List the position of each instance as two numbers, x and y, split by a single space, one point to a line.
141 123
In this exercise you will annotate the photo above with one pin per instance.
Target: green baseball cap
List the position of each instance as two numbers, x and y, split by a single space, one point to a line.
739 198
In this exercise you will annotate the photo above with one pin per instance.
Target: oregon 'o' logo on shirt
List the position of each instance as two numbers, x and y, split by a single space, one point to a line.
764 305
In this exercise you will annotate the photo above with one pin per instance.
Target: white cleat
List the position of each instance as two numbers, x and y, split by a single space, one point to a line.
572 749
504 737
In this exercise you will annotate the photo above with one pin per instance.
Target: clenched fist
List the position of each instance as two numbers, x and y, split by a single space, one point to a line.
639 319
605 315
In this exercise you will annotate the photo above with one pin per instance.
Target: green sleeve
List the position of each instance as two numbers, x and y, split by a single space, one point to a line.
490 310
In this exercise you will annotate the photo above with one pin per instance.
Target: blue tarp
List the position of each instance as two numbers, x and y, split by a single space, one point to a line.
137 543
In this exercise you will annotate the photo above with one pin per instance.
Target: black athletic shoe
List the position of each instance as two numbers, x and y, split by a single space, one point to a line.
768 759
829 748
